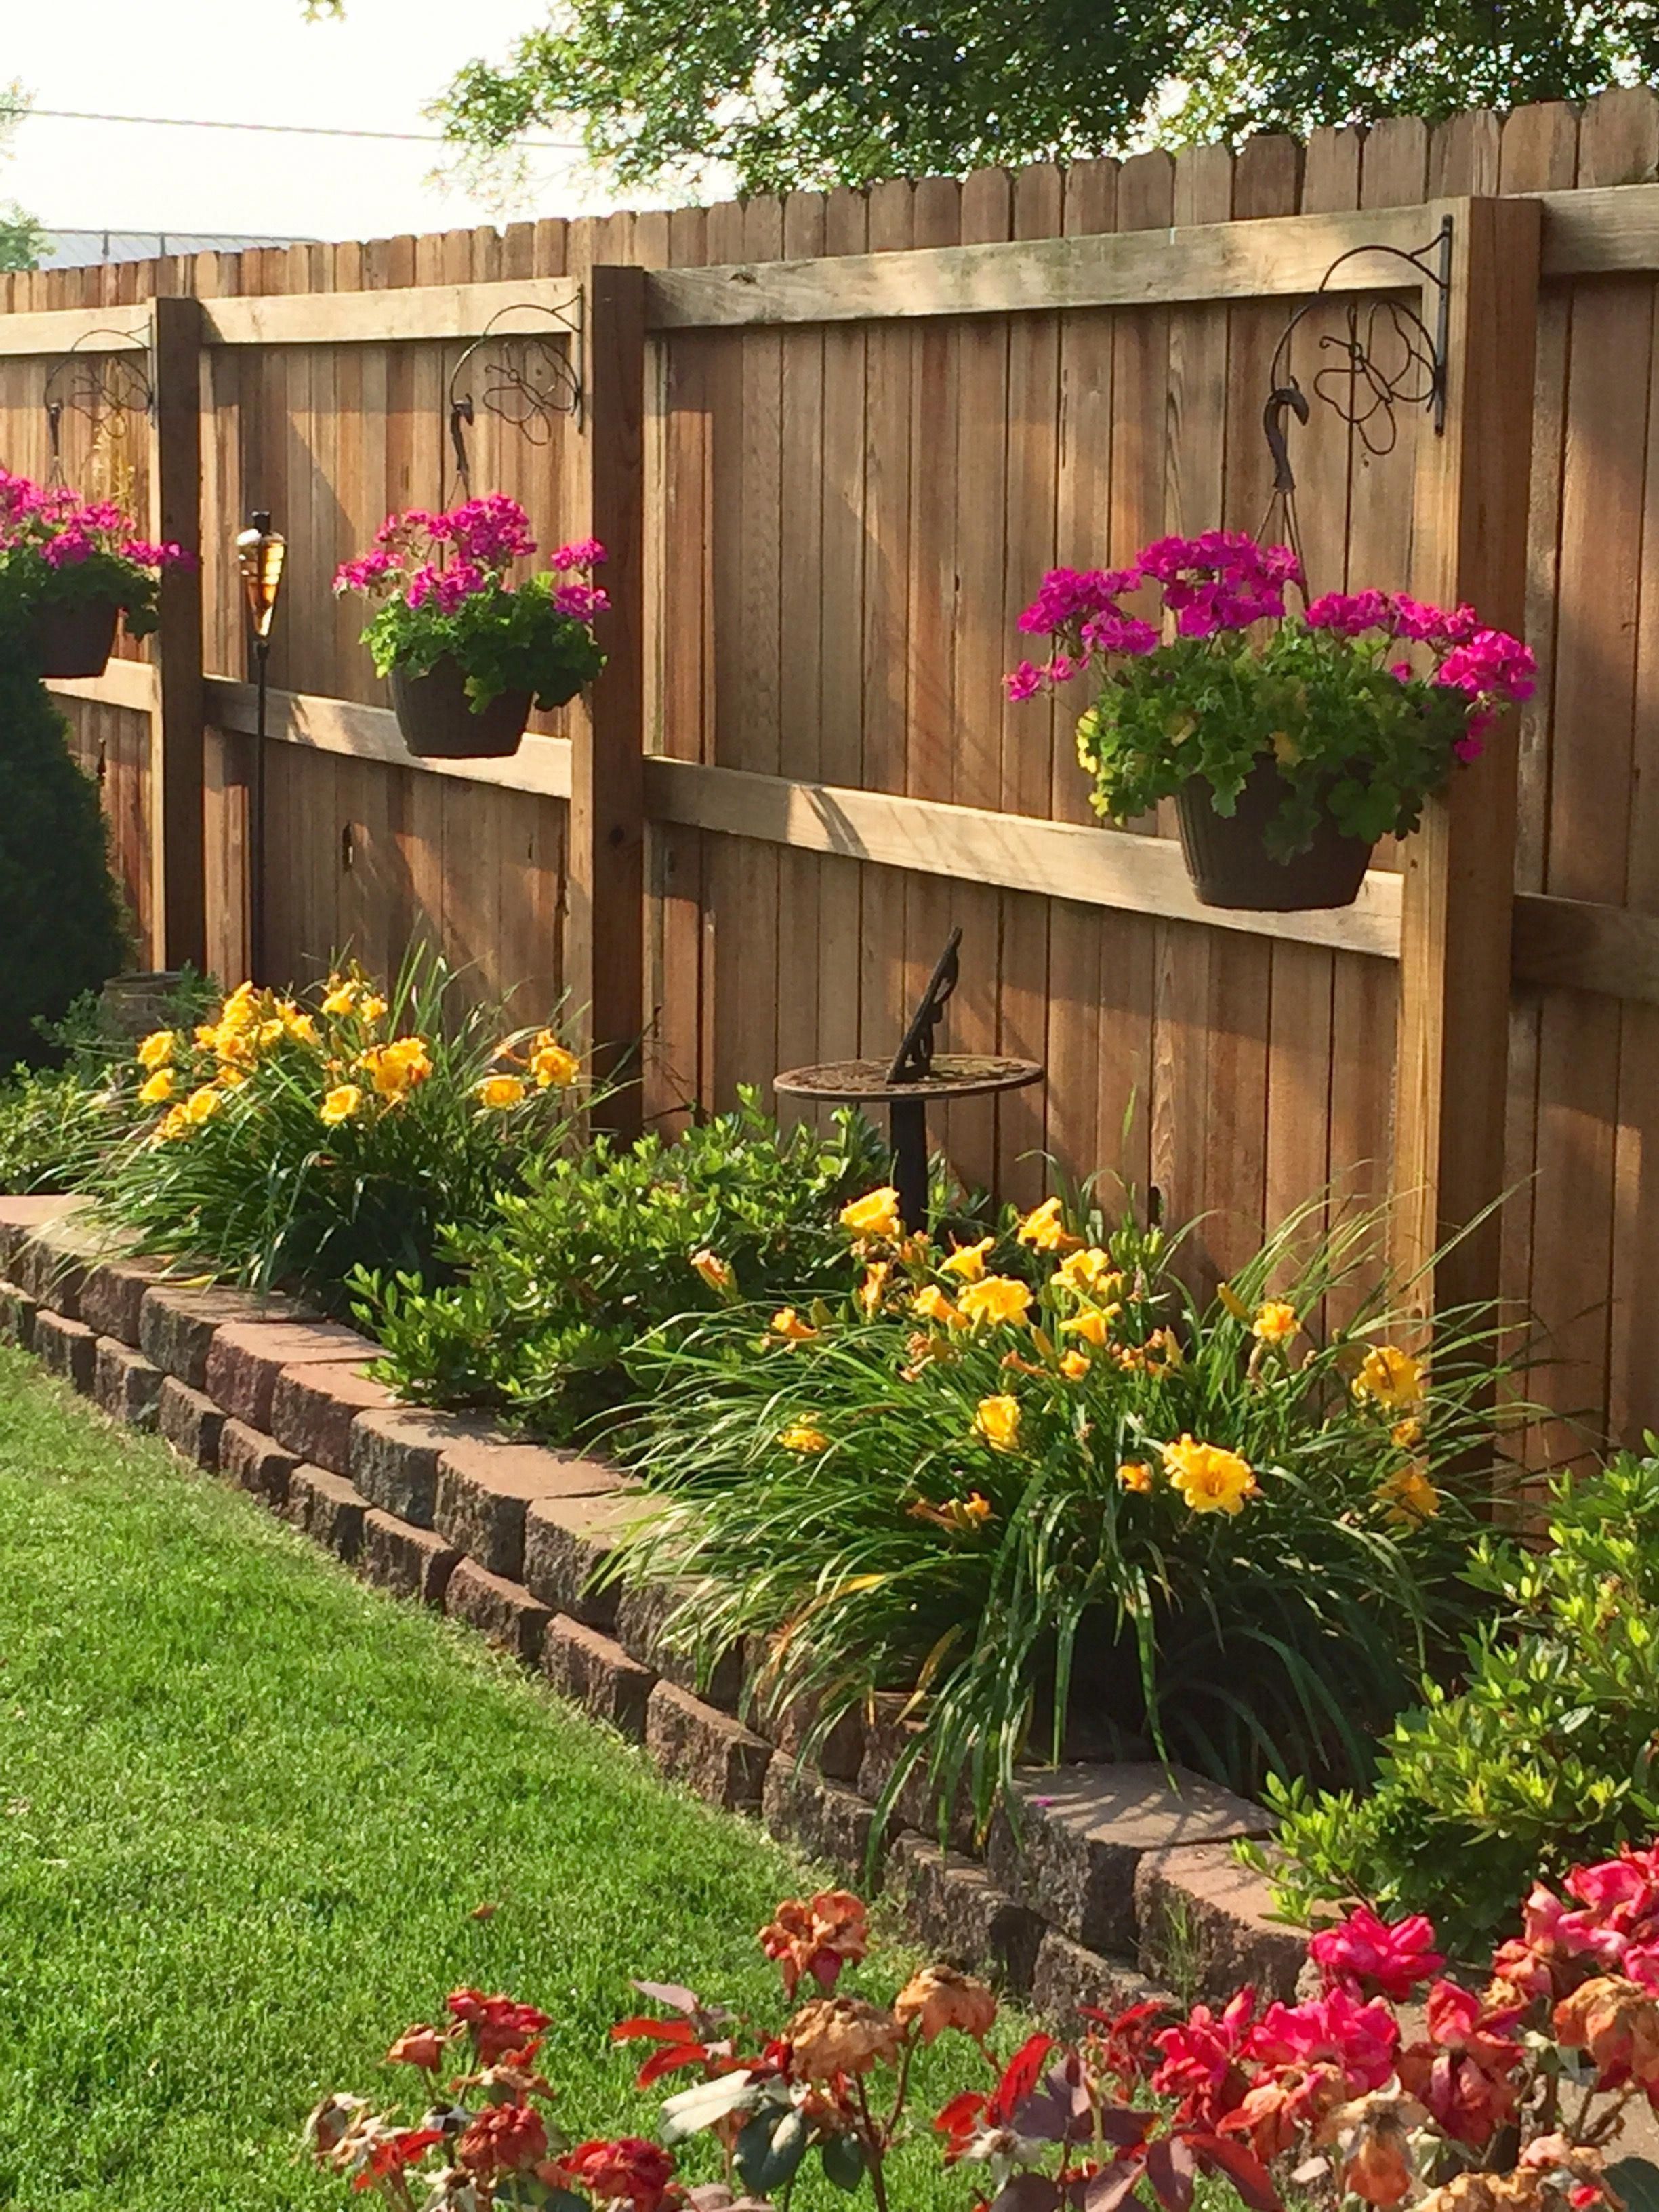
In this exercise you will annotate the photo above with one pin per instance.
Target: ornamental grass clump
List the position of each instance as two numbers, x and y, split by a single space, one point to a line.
1036 1483
1390 2082
444 586
600 1245
288 1140
1365 703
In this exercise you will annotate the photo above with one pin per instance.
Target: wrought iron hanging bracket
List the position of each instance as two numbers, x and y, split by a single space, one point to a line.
527 378
1389 356
97 384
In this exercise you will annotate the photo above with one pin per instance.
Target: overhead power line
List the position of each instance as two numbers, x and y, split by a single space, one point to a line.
19 114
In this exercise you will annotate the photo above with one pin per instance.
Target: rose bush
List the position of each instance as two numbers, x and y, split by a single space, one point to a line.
1501 2094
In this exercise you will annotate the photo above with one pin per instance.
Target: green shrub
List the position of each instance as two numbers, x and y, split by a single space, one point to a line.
61 926
599 1246
288 1143
1047 1493
1549 1752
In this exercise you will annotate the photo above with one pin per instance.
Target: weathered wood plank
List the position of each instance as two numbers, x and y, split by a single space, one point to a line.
1469 543
1016 851
1273 257
425 310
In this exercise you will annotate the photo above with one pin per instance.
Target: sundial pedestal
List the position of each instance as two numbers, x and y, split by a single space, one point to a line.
871 1083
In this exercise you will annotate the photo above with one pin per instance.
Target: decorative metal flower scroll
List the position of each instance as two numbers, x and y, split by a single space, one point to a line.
105 386
525 377
1386 357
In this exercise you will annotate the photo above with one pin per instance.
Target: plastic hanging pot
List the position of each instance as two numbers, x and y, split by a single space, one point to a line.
436 720
72 637
1229 862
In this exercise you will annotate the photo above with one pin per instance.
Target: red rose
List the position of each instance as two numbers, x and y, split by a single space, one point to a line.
628 2167
499 2024
417 2046
503 2139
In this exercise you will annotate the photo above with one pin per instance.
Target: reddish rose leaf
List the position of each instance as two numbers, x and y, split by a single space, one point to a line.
1240 2166
672 1994
1027 2193
1170 2167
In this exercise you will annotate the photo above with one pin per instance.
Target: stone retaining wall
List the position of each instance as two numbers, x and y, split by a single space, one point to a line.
1116 1884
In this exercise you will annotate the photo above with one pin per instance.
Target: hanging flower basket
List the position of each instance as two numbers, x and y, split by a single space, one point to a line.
1289 743
436 721
71 637
467 651
69 570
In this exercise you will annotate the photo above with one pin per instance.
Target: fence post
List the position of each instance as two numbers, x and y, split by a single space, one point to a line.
176 744
604 934
1469 544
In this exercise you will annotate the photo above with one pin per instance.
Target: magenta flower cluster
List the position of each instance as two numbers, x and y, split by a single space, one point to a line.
1494 669
64 530
1220 581
441 560
1224 581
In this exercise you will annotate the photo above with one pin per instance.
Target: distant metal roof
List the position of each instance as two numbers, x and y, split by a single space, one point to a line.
81 249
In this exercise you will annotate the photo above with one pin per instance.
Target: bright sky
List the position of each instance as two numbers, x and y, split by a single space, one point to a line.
254 61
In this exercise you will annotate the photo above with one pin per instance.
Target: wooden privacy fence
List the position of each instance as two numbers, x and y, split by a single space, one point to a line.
832 441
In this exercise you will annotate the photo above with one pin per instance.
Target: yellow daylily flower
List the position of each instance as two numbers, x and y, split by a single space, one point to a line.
341 997
156 1050
158 1089
395 1069
876 1214
1405 1434
1135 1475
299 1024
1090 1269
715 1271
932 1305
872 1291
1391 1377
499 1094
967 1261
1410 1496
997 1420
1210 1478
370 1008
1074 1366
202 1103
1275 1322
340 1104
788 1324
552 1065
959 1516
1044 1230
1091 1325
803 1437
996 1298
175 1122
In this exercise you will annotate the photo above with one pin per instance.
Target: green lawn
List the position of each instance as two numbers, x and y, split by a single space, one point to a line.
247 1810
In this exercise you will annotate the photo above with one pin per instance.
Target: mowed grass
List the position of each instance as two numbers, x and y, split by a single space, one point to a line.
248 1811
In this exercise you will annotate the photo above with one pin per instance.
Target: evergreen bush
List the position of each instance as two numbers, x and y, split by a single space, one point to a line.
62 928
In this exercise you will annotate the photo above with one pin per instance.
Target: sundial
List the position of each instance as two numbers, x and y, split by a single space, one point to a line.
916 1078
